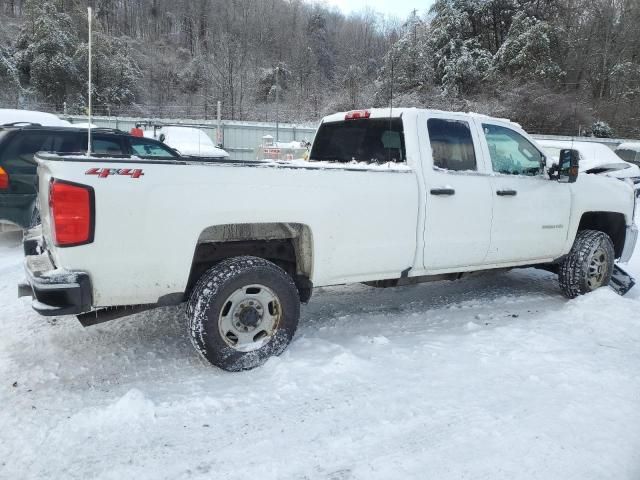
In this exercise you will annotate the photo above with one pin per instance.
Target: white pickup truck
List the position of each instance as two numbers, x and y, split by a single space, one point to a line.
387 198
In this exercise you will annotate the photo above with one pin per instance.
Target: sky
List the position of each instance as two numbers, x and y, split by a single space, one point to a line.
399 8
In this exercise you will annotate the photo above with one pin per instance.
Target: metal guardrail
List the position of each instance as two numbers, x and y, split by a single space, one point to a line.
240 139
610 142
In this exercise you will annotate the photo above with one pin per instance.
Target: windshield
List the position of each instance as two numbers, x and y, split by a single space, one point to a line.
363 140
628 155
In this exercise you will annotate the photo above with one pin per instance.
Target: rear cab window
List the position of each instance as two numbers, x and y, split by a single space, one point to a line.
369 140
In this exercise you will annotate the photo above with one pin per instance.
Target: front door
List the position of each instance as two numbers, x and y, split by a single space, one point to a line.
458 196
530 211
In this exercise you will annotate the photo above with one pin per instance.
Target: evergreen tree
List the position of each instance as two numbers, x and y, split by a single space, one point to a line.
115 74
9 78
601 129
45 49
460 60
530 49
407 66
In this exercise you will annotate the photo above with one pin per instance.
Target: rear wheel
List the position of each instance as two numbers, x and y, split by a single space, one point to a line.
589 265
243 311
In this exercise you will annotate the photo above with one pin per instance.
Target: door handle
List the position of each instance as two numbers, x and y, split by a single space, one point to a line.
507 193
442 191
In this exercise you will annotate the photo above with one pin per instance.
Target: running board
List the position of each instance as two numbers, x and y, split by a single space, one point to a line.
102 315
621 281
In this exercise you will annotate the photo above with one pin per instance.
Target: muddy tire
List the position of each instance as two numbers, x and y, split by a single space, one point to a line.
241 312
588 265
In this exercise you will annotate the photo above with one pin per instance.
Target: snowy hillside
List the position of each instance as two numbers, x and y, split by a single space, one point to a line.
487 378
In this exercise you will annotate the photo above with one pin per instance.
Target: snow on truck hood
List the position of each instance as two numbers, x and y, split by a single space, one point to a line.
189 141
594 158
8 115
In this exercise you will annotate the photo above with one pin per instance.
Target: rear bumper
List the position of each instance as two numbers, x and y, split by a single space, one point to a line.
630 240
55 292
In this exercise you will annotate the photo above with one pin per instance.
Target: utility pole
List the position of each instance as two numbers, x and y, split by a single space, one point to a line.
278 103
90 14
219 128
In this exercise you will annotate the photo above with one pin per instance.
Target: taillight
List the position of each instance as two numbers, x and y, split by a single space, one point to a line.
4 179
357 114
72 213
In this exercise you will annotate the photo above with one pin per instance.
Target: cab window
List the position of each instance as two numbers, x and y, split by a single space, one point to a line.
511 153
146 149
451 145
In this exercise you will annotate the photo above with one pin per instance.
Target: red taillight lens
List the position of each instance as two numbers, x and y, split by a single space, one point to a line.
4 179
357 114
72 210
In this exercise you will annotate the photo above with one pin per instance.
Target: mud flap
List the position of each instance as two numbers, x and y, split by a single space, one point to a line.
621 281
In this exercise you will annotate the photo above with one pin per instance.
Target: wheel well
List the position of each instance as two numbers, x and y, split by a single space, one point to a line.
288 245
613 224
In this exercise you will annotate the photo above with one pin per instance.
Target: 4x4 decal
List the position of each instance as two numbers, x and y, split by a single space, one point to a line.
105 172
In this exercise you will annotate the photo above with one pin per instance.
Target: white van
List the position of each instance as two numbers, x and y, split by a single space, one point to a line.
595 158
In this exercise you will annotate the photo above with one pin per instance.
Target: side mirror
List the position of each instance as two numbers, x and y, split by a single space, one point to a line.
568 165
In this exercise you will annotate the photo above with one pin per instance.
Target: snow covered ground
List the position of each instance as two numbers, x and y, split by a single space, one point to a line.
486 378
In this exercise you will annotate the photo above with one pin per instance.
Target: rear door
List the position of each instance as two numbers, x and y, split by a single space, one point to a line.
458 194
530 211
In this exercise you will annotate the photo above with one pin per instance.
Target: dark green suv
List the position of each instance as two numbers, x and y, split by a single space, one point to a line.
18 170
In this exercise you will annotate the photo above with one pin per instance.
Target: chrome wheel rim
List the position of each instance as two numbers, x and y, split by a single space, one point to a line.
250 317
598 268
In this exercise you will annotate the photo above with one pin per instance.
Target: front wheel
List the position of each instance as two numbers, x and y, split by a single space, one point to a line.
243 311
589 264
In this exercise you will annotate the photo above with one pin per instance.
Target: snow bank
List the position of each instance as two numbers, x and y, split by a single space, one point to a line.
48 119
495 377
132 409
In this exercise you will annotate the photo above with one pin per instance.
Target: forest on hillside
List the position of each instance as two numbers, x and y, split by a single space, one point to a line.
555 66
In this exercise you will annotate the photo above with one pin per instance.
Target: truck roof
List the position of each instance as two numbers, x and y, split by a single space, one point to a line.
403 111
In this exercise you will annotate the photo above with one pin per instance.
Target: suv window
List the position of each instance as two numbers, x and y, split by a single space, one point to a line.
106 146
147 149
362 140
101 144
24 145
451 144
511 153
